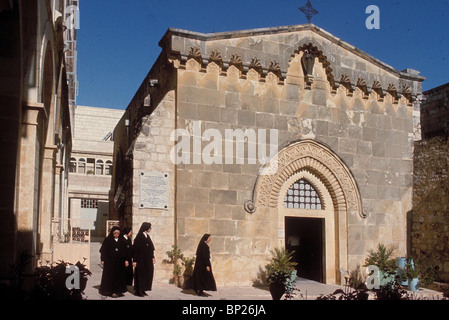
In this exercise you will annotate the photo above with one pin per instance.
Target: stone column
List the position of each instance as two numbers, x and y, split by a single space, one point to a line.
47 204
59 191
28 178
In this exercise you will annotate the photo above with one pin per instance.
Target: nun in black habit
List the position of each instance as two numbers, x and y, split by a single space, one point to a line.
129 273
112 257
202 278
143 259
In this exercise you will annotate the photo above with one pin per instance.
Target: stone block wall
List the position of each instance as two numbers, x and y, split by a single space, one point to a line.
361 110
435 112
430 216
372 132
152 153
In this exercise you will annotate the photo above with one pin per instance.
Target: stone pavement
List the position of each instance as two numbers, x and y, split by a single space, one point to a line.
162 291
309 290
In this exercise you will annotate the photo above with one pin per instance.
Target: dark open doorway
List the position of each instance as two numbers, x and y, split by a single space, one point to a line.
305 236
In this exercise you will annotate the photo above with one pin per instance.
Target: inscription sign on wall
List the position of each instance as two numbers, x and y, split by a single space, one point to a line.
153 190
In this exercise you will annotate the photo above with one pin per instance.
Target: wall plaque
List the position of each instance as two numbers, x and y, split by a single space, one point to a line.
153 190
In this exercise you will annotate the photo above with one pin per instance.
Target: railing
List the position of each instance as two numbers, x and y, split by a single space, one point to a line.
71 240
71 230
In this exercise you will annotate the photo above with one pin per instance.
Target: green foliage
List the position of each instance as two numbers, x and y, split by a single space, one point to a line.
382 258
290 286
175 255
50 282
281 271
411 270
356 279
188 265
428 275
281 266
392 291
261 279
346 294
12 286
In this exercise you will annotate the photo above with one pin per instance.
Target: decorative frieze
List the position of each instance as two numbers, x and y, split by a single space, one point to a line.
255 70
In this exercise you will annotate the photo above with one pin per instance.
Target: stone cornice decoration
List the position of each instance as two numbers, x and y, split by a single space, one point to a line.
319 160
32 111
182 45
195 54
361 84
215 57
236 61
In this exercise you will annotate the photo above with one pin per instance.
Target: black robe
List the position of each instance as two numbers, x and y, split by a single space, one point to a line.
201 278
129 273
143 254
113 254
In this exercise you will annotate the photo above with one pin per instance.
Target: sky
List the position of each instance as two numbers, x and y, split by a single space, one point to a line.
117 40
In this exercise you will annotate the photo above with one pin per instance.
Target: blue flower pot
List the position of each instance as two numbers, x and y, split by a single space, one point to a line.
413 284
402 261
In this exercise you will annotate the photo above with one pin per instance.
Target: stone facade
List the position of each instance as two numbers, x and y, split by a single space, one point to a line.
435 112
35 127
91 166
345 122
429 231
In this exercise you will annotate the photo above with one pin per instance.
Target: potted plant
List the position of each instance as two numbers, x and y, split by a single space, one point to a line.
188 267
175 255
412 275
280 271
50 282
382 258
402 262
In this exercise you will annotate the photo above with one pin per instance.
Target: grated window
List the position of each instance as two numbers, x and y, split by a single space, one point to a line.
302 195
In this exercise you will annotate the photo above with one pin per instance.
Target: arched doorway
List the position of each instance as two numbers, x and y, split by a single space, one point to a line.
311 165
306 208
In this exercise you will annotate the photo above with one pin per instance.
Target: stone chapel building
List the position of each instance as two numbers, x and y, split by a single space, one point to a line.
340 182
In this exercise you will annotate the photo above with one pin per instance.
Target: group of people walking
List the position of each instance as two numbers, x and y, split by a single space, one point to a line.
125 261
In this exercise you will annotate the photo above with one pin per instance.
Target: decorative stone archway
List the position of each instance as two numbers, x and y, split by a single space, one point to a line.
334 182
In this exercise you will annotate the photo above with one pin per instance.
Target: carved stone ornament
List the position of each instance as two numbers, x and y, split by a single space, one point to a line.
236 61
195 53
249 206
319 160
308 61
256 65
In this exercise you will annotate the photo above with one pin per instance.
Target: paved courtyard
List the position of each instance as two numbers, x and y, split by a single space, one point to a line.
309 290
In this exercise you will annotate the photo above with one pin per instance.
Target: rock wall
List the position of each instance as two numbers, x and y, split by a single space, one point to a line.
430 216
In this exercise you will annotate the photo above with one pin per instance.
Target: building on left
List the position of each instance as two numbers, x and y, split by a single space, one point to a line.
38 89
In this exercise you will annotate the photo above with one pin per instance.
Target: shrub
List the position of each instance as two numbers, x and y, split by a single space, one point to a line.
50 282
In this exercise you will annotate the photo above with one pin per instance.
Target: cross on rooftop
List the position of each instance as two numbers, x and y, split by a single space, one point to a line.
309 11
